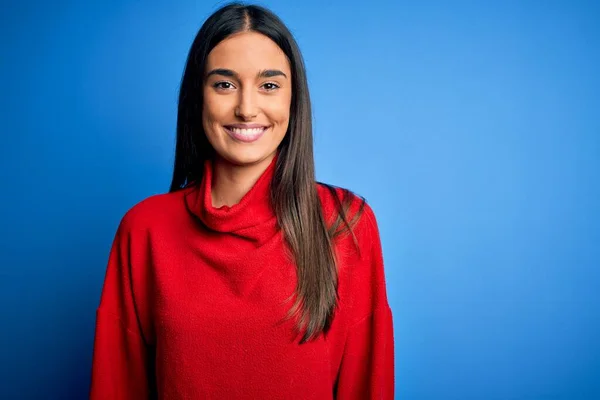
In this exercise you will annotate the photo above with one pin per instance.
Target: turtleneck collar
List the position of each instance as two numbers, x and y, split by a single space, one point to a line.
253 210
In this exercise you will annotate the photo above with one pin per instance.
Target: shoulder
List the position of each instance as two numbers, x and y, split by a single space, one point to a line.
333 197
356 210
152 211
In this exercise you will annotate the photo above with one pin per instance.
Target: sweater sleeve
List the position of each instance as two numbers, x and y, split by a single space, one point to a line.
120 353
367 367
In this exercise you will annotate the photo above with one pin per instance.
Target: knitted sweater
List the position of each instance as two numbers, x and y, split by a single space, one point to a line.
194 296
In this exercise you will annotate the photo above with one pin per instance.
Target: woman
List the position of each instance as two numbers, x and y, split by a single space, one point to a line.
248 280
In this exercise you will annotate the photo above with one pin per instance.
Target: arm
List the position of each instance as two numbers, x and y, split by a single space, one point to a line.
367 368
120 355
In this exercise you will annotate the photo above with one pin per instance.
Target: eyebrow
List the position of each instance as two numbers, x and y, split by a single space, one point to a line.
267 73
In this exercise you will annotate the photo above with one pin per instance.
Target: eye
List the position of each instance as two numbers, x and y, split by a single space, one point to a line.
223 85
270 86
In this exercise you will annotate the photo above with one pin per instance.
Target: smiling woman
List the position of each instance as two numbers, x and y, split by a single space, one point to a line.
250 132
244 102
249 279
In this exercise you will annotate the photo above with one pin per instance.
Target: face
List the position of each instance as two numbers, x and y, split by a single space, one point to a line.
247 97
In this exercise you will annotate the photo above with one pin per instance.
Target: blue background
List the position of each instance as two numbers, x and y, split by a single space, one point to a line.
471 127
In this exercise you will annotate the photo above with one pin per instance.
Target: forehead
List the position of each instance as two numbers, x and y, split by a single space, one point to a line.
247 52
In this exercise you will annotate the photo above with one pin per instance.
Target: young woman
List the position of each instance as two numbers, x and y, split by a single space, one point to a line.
248 280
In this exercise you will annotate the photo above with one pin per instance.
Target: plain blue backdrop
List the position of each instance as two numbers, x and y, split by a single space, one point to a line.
471 127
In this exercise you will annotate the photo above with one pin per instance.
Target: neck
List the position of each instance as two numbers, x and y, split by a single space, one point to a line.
231 182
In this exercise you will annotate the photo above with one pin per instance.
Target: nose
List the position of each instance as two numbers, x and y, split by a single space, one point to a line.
246 107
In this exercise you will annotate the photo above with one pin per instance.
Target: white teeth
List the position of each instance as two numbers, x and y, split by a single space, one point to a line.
247 131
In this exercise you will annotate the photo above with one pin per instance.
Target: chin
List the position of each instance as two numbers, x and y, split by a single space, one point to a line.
247 157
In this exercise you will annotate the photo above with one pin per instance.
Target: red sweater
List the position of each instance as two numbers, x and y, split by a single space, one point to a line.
193 297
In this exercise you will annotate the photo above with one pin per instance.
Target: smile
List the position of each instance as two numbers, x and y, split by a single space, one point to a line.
245 134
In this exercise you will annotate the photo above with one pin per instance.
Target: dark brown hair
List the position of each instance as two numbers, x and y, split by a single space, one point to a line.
293 189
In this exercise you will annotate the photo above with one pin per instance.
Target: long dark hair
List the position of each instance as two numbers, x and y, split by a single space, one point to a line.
293 190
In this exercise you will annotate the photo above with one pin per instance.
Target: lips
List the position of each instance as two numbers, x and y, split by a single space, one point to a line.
246 133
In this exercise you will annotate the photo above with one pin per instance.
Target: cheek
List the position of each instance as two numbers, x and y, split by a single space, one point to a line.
207 112
280 112
212 112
